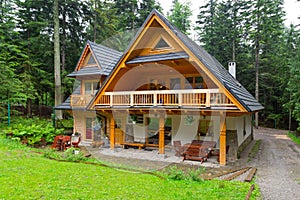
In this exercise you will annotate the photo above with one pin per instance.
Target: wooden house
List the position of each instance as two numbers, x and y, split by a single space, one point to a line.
164 88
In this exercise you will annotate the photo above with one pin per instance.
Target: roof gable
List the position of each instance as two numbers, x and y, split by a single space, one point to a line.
178 45
96 59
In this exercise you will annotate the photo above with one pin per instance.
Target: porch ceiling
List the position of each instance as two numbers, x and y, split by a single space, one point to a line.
170 111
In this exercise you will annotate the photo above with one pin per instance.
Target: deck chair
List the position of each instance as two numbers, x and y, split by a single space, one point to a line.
178 148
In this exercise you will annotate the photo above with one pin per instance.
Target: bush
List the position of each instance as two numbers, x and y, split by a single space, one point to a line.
32 131
176 173
67 155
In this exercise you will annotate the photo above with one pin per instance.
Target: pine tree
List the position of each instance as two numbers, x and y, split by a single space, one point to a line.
180 15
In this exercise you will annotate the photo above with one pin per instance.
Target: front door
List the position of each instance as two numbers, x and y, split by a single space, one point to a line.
88 129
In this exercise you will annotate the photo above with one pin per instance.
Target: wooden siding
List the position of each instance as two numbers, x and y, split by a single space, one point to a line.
80 100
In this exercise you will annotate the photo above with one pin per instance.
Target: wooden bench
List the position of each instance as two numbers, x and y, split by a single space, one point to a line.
196 153
198 150
133 144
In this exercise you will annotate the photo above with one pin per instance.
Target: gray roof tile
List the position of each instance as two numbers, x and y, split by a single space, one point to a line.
159 57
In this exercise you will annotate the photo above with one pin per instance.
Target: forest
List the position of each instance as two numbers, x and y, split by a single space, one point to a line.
250 32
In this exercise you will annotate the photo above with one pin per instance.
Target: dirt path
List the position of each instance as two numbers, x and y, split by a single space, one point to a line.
278 164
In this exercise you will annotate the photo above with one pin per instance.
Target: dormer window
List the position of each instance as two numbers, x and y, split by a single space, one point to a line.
162 44
91 61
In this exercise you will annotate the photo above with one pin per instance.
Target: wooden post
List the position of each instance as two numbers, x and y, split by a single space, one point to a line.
223 138
112 133
161 143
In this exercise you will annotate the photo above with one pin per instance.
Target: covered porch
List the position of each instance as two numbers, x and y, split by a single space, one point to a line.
168 126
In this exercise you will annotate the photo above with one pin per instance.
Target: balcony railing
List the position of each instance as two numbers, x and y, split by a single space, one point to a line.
81 100
203 98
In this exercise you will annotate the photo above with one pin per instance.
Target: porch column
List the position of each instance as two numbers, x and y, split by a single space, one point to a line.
112 133
161 142
223 138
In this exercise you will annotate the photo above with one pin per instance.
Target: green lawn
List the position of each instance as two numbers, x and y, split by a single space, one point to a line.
28 175
294 138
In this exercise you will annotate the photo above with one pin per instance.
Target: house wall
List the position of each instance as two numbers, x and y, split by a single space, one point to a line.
79 118
242 125
185 132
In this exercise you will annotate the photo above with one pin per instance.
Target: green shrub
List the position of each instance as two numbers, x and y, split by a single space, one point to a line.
32 131
177 173
195 175
67 155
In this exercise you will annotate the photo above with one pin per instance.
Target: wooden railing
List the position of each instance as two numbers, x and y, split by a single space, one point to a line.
81 100
183 98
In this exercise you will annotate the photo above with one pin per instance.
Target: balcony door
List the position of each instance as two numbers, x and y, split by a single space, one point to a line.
175 84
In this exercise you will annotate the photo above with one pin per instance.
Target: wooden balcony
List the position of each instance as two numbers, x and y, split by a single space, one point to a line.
80 100
195 98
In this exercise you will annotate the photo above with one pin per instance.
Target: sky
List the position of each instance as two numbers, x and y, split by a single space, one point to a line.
291 8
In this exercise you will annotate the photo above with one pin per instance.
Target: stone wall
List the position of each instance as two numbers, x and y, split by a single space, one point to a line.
232 142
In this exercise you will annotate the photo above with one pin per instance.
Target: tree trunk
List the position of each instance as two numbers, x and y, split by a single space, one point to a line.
57 78
257 51
256 79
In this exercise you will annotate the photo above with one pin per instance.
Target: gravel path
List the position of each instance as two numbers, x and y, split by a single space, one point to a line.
278 164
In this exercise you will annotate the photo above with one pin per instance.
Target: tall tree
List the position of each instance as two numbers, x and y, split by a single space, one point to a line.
206 26
267 37
10 57
251 33
57 77
103 21
292 92
127 11
180 15
145 7
32 23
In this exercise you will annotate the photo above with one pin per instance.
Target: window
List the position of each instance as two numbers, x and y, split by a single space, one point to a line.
91 61
135 119
194 82
205 127
91 87
162 44
175 84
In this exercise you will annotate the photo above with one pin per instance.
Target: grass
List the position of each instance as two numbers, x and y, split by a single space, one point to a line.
28 175
294 138
254 150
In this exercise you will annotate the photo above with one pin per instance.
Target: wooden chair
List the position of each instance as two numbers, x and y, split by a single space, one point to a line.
66 142
57 142
178 148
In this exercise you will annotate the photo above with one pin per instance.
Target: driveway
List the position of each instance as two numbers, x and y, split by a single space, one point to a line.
278 164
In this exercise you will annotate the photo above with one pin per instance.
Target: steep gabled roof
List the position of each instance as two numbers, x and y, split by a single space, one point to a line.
106 59
215 67
234 88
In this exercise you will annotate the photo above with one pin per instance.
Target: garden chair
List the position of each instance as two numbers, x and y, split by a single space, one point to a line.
57 142
75 140
178 148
